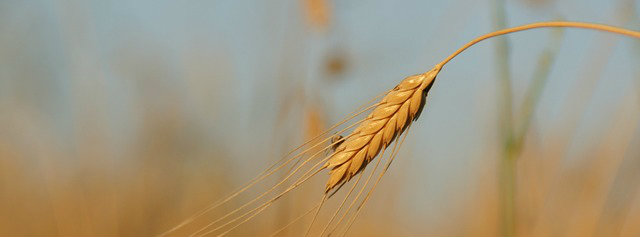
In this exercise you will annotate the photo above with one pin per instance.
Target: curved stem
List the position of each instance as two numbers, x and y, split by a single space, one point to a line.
569 24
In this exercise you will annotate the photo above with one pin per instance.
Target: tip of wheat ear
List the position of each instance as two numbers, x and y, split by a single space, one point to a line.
396 110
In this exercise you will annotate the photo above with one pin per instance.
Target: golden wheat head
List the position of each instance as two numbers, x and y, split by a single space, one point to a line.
397 109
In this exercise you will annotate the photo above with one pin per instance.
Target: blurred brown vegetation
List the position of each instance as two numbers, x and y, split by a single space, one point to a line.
83 154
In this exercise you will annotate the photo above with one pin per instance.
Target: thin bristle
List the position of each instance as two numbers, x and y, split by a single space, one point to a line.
290 174
324 198
260 208
393 155
296 219
355 199
341 204
277 165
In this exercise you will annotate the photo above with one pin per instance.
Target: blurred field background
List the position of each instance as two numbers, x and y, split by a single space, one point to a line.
122 118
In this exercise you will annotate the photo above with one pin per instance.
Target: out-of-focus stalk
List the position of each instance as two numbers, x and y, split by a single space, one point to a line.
505 125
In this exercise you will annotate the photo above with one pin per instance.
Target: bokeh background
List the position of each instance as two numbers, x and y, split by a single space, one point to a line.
122 118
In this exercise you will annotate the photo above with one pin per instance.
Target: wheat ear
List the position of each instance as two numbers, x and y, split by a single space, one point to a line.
394 113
